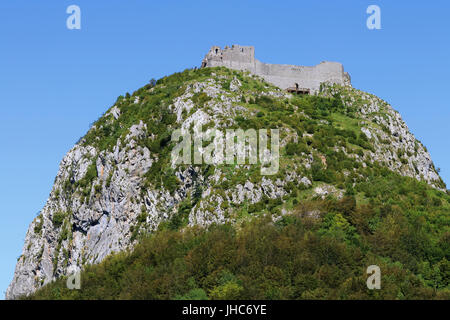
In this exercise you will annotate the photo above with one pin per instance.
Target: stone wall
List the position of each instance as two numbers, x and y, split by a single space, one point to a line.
282 75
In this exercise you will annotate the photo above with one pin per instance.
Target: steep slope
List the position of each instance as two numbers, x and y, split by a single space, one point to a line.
119 181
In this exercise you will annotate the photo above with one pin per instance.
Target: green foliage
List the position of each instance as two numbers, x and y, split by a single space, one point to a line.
170 180
336 226
227 291
58 218
85 184
199 99
38 224
159 177
298 257
91 174
180 219
194 294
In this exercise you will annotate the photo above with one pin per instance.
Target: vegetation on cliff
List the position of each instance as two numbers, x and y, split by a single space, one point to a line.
320 251
354 188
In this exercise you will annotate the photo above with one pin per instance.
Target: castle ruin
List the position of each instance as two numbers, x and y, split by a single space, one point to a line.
299 79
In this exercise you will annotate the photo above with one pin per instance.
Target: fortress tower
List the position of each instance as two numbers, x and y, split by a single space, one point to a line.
289 77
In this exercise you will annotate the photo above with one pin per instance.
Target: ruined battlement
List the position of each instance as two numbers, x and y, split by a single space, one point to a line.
285 76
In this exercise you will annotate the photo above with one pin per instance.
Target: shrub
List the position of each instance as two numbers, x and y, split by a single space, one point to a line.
58 218
38 224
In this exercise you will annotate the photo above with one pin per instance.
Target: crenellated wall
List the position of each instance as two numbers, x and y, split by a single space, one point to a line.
282 75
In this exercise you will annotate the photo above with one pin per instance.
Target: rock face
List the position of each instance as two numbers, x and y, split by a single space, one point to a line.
394 145
118 183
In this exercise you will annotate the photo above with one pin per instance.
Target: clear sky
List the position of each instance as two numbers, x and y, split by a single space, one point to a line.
54 81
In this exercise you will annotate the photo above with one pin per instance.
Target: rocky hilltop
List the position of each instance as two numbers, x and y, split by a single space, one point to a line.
119 181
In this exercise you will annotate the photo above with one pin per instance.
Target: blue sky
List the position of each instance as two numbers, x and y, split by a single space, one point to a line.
54 82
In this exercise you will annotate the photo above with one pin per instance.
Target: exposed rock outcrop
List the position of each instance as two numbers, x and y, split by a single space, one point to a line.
111 188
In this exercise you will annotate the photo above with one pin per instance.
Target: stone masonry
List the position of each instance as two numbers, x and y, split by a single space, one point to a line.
281 75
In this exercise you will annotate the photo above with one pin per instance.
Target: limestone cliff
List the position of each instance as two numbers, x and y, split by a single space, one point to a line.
119 182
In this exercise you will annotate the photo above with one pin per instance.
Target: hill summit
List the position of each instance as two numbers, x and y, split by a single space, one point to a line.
347 164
